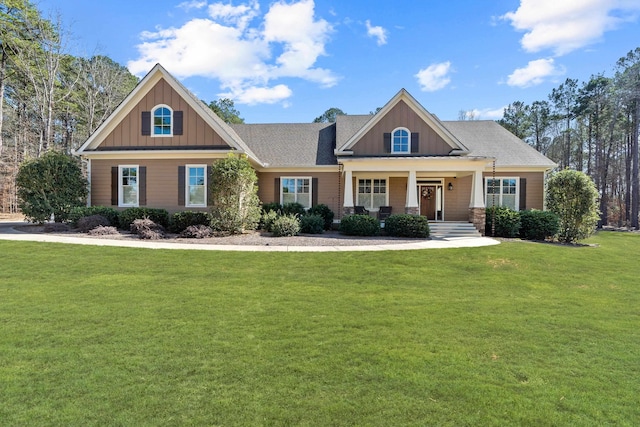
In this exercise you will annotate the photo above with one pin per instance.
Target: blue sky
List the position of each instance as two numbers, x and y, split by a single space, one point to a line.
289 61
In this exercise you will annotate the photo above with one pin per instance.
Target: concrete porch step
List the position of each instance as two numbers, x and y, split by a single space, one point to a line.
452 229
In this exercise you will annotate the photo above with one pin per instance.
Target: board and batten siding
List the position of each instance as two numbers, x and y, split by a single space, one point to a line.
401 115
196 132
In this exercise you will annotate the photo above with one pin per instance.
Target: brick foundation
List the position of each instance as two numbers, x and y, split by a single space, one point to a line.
477 217
412 211
348 210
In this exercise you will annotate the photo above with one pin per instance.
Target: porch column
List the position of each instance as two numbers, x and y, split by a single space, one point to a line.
347 206
412 206
477 212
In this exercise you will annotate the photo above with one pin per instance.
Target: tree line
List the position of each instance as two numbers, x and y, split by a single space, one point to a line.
591 127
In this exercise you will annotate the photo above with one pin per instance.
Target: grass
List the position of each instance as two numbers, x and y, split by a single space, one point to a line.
515 334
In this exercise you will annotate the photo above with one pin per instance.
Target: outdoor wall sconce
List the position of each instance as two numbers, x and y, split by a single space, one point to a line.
450 187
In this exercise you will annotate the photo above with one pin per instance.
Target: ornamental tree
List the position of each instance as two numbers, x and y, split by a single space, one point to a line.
234 195
572 196
51 184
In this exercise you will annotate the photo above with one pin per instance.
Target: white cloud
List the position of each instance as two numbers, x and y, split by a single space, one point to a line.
377 32
434 77
564 26
193 4
534 73
233 45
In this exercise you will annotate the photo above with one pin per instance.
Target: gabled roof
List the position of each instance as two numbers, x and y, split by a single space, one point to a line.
144 86
427 117
291 144
486 138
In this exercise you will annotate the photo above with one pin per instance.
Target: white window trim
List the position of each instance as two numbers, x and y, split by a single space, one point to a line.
153 111
298 177
386 194
120 187
499 196
408 141
186 186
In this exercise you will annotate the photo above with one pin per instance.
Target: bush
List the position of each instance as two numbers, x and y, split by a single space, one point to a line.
359 225
181 220
405 225
272 207
128 216
82 211
147 229
538 225
286 225
573 196
312 224
198 231
50 185
88 223
293 209
267 219
507 221
325 212
103 231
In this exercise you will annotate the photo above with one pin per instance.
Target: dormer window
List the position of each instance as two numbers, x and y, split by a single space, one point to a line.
400 142
162 121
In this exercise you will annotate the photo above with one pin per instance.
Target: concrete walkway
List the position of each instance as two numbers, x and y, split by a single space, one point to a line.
8 232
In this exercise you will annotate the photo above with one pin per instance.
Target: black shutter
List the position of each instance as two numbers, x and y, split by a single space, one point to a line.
177 122
114 186
523 194
146 123
209 182
415 142
181 184
387 142
314 191
142 185
276 191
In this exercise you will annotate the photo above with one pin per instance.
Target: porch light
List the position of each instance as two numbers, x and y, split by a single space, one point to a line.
450 187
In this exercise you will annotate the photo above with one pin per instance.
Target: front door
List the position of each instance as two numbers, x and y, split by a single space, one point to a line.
428 201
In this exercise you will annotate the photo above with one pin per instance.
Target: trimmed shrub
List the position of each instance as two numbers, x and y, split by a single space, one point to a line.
147 229
293 209
267 219
198 231
286 225
82 211
88 223
103 231
359 225
312 224
272 207
55 227
507 221
405 225
128 216
325 212
538 225
180 221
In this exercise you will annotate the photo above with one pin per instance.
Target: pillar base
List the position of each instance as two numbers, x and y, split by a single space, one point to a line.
477 216
348 210
412 210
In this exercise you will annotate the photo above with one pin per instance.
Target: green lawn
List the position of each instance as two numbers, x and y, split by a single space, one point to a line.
515 334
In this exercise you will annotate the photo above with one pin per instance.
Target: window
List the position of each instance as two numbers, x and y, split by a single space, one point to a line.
400 141
162 122
196 181
504 191
372 193
296 190
128 192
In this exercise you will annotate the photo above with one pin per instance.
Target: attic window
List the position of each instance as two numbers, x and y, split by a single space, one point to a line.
400 141
162 121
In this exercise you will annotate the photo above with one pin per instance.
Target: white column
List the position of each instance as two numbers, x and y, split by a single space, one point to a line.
412 190
348 189
477 194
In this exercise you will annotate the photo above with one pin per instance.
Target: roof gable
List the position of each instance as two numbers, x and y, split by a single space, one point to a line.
441 139
159 76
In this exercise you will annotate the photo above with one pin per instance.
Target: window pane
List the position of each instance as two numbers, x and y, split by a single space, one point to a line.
288 198
129 195
304 200
401 141
364 200
509 201
196 195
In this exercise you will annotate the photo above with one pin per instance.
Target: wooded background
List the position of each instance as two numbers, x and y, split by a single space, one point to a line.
52 100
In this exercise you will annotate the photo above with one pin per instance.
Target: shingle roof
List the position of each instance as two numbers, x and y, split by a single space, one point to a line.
290 144
486 138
